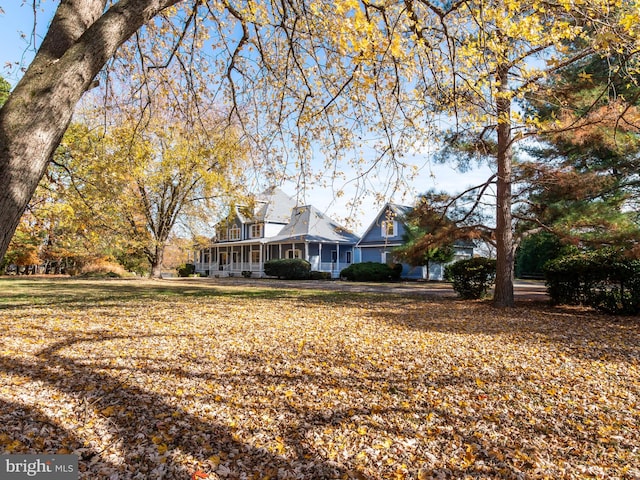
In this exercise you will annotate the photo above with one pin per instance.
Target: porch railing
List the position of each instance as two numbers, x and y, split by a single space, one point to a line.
237 268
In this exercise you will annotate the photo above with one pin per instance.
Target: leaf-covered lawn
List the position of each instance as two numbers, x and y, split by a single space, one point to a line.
166 380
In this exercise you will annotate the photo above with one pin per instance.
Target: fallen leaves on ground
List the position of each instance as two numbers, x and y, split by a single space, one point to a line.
311 385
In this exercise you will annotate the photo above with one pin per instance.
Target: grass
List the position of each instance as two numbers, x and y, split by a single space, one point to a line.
168 379
29 291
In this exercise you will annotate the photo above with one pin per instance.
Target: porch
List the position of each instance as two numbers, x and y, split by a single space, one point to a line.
232 259
257 270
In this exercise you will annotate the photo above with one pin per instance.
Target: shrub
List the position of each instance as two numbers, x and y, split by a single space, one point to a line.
186 269
397 271
315 275
471 278
371 272
605 280
103 268
288 268
534 251
246 273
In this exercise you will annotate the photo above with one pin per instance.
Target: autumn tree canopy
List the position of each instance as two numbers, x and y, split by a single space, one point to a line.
269 62
146 175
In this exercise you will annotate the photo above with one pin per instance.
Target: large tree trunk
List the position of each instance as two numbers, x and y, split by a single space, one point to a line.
503 293
80 40
156 259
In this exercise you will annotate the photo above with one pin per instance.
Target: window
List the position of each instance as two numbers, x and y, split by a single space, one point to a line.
256 230
348 256
234 233
222 235
294 254
255 256
334 256
389 228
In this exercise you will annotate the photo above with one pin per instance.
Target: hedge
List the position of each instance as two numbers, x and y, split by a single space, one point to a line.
288 268
471 278
605 280
371 272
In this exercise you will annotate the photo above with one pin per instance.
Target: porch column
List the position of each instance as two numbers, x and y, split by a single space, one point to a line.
260 260
338 257
320 257
280 250
306 251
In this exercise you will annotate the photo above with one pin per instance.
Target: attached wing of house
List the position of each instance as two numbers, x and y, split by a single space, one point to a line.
385 234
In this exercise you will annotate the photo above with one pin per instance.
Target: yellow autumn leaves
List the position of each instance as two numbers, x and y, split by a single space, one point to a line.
166 379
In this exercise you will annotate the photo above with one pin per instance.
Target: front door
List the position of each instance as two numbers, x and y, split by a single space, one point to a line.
223 259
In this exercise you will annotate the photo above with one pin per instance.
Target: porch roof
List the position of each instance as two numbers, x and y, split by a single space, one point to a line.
308 239
282 239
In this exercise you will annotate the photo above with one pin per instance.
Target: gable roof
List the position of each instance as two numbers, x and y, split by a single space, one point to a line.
273 205
310 224
398 212
270 206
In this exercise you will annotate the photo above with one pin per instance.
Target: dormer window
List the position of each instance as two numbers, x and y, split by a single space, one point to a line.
234 233
222 235
256 230
389 228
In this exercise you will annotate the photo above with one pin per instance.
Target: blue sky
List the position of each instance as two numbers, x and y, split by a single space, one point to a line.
17 40
16 34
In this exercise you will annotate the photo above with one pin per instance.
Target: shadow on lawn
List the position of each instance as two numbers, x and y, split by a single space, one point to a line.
137 417
81 292
138 420
578 332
